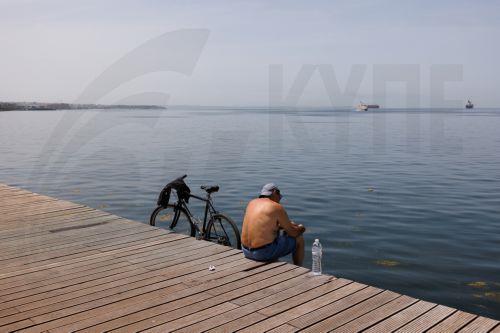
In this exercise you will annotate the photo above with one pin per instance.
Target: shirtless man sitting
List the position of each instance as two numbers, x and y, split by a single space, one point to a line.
260 237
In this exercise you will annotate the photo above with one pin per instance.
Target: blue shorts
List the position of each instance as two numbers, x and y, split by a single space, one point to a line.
280 247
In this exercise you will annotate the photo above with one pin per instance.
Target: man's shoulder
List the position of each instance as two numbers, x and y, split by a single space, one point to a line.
264 202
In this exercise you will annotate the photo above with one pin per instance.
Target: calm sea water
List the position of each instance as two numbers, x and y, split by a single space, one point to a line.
406 200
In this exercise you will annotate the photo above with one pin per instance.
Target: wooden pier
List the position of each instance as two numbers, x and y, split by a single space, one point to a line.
66 267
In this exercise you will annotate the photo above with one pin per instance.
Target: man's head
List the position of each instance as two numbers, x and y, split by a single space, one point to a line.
271 191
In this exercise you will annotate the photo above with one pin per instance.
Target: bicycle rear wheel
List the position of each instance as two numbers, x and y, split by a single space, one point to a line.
172 218
222 230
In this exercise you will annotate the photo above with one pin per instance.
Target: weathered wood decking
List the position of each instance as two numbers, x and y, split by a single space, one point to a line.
67 267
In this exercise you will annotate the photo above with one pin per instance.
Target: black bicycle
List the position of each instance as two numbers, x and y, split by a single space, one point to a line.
215 227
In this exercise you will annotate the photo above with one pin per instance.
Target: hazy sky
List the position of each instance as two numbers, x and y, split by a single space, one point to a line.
51 50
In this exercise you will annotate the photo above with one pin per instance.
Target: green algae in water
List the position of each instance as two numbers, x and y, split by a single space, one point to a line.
490 295
387 263
493 295
477 284
165 217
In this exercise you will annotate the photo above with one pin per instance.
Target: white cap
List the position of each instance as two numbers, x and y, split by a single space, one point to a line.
268 189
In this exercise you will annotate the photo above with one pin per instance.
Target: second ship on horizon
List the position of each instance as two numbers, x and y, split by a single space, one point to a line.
364 107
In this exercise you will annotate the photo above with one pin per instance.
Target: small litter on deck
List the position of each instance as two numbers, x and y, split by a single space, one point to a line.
211 268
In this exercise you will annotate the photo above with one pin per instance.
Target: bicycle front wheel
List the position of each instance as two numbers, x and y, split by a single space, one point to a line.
222 230
172 218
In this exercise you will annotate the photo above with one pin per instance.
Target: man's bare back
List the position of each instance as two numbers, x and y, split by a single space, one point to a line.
260 225
264 217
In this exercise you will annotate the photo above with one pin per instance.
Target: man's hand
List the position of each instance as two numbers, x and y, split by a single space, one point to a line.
291 228
299 227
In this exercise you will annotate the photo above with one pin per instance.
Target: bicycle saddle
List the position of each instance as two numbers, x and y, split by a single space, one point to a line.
210 189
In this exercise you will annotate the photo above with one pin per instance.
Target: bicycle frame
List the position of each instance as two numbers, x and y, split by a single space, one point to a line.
217 227
209 210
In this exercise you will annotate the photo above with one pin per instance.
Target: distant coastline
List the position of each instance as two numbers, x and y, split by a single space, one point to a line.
37 106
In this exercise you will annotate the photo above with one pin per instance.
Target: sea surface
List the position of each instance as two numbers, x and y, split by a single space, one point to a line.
407 200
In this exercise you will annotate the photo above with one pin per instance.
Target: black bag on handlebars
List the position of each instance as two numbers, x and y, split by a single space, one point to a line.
183 191
164 196
179 186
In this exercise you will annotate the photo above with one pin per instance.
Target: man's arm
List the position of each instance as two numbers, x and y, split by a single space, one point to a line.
291 228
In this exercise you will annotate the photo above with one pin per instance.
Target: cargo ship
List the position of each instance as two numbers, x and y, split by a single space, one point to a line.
364 107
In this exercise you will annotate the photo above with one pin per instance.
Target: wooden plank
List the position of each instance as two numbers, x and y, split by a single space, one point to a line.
120 316
92 262
53 234
186 311
343 311
480 325
6 192
118 293
24 232
282 302
427 320
90 292
85 310
278 276
321 296
100 247
49 276
89 310
26 197
52 219
45 285
285 328
276 320
72 260
65 285
88 240
401 318
37 218
20 227
235 325
40 209
453 323
9 287
19 205
194 318
60 241
77 294
62 245
341 315
68 267
377 315
25 217
284 290
496 329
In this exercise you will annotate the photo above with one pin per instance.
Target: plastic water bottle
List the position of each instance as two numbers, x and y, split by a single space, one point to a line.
317 251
